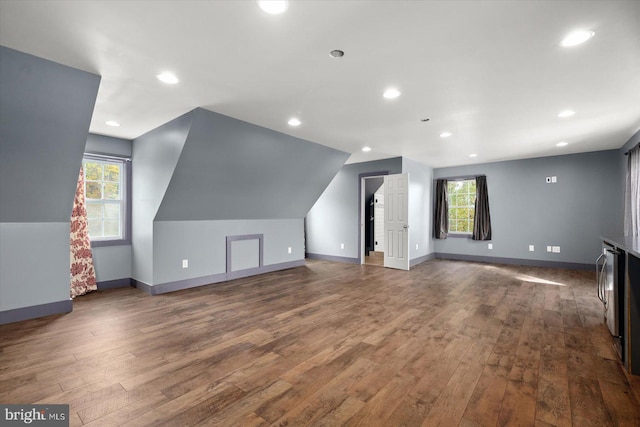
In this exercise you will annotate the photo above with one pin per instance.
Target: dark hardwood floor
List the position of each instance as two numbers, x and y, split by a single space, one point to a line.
448 343
374 258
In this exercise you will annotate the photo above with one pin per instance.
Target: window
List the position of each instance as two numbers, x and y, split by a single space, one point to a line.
105 192
461 197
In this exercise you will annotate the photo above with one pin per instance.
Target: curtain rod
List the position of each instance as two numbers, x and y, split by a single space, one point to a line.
108 156
460 178
627 153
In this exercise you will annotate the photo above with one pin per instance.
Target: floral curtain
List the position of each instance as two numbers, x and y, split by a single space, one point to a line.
83 275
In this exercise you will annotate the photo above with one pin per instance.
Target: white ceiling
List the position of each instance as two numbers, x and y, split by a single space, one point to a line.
491 72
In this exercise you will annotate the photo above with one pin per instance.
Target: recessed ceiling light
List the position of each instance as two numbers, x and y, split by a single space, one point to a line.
167 78
562 144
473 155
566 113
337 53
366 149
577 37
273 7
445 134
112 123
294 121
391 93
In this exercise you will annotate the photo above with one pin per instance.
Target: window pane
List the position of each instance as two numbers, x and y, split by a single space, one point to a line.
461 198
95 228
92 171
462 213
105 199
111 211
111 228
94 190
111 191
94 210
112 172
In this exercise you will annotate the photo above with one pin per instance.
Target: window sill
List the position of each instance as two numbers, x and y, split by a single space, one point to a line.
460 235
106 243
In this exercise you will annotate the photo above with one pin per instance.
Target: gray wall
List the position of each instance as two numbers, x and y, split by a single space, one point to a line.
334 218
420 209
101 144
110 262
45 112
230 169
34 264
155 156
203 177
203 243
585 204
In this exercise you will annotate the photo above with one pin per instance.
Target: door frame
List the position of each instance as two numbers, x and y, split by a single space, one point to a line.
361 202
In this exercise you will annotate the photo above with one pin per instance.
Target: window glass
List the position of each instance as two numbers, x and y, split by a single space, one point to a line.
104 198
461 195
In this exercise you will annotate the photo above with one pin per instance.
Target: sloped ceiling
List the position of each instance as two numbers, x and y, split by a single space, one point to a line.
229 169
45 111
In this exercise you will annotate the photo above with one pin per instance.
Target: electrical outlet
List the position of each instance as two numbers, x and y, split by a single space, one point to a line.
556 249
554 179
416 246
289 249
548 248
341 245
531 248
490 245
185 263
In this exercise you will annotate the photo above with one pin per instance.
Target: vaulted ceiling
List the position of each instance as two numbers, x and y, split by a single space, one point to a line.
492 73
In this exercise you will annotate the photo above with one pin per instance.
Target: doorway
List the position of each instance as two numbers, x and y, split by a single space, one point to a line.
389 247
374 221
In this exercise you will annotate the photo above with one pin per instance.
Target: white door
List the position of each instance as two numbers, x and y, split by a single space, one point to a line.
396 225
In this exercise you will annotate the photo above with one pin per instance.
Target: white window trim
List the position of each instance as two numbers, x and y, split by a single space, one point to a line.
460 233
125 186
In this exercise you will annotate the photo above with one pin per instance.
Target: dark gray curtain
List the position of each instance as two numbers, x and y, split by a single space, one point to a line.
482 217
441 214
